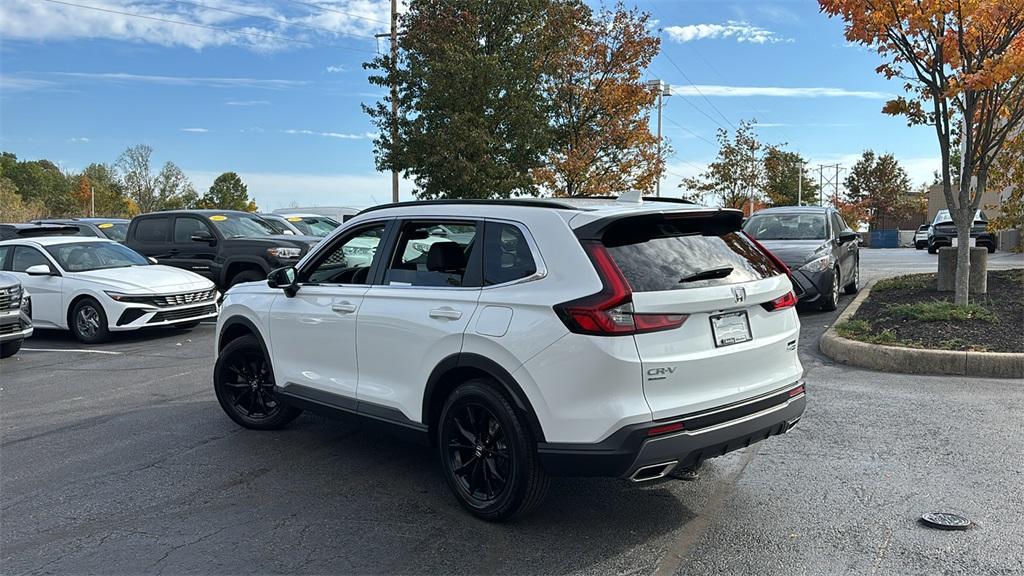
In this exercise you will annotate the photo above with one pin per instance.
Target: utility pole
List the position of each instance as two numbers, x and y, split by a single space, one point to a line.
393 35
92 200
663 90
829 181
800 184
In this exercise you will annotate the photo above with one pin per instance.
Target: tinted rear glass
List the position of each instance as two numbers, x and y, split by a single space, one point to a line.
676 258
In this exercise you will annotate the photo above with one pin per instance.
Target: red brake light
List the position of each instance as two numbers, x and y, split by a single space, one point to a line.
787 300
659 430
610 311
797 391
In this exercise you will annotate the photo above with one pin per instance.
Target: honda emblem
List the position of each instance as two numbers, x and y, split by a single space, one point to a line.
739 294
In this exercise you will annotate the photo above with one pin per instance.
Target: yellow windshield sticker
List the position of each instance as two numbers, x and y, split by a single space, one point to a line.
105 225
295 219
218 218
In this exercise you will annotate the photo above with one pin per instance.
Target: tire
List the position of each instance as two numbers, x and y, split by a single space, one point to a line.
920 245
933 249
854 284
488 454
88 322
991 248
830 301
244 384
8 349
246 276
187 325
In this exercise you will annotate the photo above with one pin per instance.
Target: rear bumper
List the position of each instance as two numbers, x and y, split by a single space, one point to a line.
942 238
705 435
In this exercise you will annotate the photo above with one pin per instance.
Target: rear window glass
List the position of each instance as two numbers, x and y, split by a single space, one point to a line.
676 261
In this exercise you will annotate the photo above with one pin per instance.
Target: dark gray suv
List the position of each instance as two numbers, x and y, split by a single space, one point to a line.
822 252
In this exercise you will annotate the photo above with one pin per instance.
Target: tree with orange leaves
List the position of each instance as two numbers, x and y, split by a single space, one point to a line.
600 107
963 64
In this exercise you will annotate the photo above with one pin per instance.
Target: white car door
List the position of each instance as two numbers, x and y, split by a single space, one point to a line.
47 291
313 333
415 318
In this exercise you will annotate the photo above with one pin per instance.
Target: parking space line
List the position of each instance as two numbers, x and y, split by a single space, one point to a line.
76 350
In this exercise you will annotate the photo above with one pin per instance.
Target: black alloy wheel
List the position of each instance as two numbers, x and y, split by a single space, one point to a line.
89 322
244 384
488 454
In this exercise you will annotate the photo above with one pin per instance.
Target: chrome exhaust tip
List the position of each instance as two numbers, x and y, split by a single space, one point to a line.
653 471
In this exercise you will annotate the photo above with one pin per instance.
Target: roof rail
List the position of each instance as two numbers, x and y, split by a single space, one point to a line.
631 198
538 203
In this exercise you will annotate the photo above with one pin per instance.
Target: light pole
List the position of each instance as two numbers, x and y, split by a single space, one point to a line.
663 90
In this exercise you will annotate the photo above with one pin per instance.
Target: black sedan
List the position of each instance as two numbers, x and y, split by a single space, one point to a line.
822 252
943 231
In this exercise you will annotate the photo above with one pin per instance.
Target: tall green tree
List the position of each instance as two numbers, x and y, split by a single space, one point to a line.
879 185
228 192
782 173
737 175
14 208
42 182
148 191
472 120
103 181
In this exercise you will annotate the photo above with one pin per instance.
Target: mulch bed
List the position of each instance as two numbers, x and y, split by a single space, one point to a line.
998 325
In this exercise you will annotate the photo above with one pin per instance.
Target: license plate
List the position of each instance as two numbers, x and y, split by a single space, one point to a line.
731 328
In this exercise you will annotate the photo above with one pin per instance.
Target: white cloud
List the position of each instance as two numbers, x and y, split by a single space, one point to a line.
261 28
339 135
79 140
741 31
207 81
10 83
247 102
198 130
336 69
279 190
776 91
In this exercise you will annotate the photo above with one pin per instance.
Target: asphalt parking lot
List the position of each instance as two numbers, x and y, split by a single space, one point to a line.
116 459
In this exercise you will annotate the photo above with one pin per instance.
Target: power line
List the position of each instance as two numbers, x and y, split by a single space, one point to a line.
336 11
687 78
694 134
204 26
272 19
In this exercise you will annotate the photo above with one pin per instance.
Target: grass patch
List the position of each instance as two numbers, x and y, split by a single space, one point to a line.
861 331
939 311
911 282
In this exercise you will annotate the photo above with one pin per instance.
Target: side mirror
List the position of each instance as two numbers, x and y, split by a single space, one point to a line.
288 233
283 278
39 270
848 236
203 236
152 260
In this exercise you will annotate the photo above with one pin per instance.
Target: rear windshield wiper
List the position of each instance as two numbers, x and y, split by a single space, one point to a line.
707 274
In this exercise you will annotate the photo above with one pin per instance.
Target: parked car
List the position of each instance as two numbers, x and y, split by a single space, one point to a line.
93 287
337 213
225 246
30 230
112 228
943 231
15 313
301 224
822 252
921 237
560 337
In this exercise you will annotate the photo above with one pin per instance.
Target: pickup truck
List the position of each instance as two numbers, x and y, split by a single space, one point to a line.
225 246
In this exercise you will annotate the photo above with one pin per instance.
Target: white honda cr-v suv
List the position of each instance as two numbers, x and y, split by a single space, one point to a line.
561 337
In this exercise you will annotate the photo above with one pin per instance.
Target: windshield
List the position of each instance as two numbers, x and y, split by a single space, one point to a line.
787 227
313 225
116 231
85 256
241 226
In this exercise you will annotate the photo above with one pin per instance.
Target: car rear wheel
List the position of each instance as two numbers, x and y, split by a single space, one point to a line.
8 349
488 454
854 284
991 248
830 300
244 384
89 322
933 249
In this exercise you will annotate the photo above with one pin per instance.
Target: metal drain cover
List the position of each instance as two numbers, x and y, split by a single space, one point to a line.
945 521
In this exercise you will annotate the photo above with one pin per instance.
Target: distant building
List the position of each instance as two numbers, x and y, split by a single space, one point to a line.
937 201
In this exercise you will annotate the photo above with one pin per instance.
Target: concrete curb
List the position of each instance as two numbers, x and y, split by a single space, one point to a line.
915 360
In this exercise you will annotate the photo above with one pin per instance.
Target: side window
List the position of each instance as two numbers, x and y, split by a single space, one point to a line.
349 260
3 256
185 227
26 257
837 225
151 230
507 255
434 253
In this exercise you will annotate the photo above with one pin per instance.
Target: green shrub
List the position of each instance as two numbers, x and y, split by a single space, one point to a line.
911 282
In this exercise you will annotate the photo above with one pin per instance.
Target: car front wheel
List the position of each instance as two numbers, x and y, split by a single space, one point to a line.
8 349
854 284
89 322
830 300
488 454
244 384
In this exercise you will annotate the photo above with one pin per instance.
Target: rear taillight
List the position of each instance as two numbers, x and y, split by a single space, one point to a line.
610 311
666 429
787 300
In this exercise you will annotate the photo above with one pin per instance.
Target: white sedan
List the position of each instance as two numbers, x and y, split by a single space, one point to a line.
94 286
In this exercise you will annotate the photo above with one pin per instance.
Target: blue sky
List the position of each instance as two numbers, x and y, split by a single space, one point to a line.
279 102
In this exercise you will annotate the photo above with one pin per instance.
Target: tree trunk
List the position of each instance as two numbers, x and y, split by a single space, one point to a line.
963 260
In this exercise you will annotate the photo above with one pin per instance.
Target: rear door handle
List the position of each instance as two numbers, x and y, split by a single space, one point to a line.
446 313
344 307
